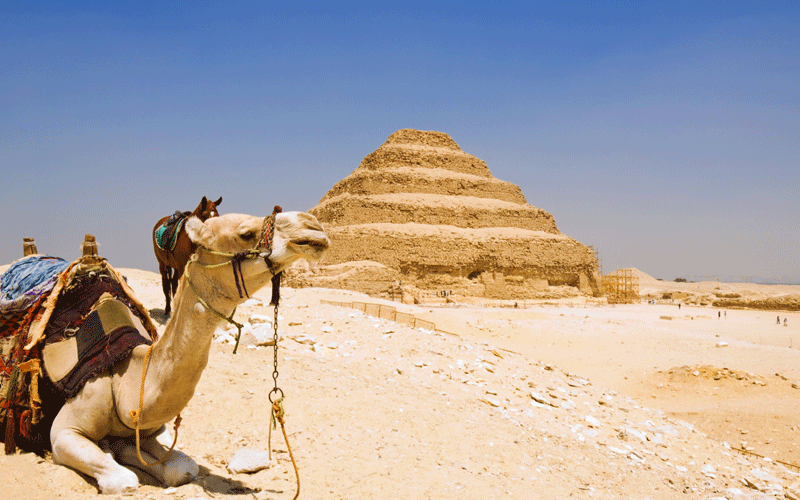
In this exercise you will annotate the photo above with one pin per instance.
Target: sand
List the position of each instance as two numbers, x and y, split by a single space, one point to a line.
551 400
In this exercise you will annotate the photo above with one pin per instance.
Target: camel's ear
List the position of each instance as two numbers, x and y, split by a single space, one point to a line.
218 201
203 203
198 232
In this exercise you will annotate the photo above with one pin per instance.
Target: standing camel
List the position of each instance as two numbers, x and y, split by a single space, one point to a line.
172 261
208 290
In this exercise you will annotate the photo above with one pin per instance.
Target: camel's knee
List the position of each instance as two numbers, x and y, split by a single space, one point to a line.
179 469
176 470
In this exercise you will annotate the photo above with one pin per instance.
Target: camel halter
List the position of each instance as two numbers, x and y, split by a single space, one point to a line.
263 242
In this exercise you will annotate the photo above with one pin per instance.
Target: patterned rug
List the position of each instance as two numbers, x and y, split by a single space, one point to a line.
83 325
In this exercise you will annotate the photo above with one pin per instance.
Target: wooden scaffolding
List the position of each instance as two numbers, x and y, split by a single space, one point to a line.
621 287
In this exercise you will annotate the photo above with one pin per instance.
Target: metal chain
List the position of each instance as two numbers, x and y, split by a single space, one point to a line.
275 389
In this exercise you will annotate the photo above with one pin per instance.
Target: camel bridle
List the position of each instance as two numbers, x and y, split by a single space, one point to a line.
262 249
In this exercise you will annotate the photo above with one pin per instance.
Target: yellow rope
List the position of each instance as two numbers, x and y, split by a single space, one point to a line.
136 414
277 414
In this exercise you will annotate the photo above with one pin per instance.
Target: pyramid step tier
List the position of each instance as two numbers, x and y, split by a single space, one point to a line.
433 209
425 181
402 155
507 259
407 246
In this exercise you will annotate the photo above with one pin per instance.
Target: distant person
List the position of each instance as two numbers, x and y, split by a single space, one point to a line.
726 314
779 320
719 314
679 306
785 321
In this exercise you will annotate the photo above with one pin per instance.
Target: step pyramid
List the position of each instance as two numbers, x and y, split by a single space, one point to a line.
421 211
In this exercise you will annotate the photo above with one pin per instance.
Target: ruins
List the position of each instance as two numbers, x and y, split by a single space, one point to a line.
420 212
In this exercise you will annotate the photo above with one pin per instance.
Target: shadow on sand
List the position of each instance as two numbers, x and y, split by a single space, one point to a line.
211 483
158 316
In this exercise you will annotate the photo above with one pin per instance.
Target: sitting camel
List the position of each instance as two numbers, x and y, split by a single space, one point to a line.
172 261
209 289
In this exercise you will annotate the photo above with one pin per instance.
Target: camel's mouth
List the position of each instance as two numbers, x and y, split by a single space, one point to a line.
313 244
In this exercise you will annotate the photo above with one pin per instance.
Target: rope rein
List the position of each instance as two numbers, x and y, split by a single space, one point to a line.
136 415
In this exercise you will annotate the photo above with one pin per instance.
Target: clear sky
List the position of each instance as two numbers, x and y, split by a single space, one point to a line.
666 134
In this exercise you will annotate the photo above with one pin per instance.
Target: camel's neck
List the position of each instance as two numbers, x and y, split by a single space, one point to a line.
180 355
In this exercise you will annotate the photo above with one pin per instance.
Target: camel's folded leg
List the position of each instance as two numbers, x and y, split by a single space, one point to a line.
81 453
178 469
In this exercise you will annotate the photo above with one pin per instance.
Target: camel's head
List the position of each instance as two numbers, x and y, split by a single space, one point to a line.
297 235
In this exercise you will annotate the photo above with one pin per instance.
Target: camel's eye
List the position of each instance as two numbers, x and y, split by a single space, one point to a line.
248 236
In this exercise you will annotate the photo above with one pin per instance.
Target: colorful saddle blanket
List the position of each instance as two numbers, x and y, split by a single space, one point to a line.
167 234
27 279
82 327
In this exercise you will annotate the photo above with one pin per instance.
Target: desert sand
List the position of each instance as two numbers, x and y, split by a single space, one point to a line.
551 400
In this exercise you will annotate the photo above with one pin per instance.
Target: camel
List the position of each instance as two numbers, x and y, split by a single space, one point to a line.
100 413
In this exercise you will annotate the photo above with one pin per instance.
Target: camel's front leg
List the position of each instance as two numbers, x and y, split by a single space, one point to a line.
73 449
176 470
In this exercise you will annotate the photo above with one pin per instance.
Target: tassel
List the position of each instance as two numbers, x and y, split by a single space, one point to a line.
276 289
11 445
25 424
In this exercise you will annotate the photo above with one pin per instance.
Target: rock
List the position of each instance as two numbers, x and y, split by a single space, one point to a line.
304 339
764 476
637 434
491 402
261 318
261 335
593 422
248 460
707 468
541 399
722 343
568 405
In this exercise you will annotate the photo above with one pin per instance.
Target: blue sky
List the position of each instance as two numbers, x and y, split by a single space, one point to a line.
666 134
